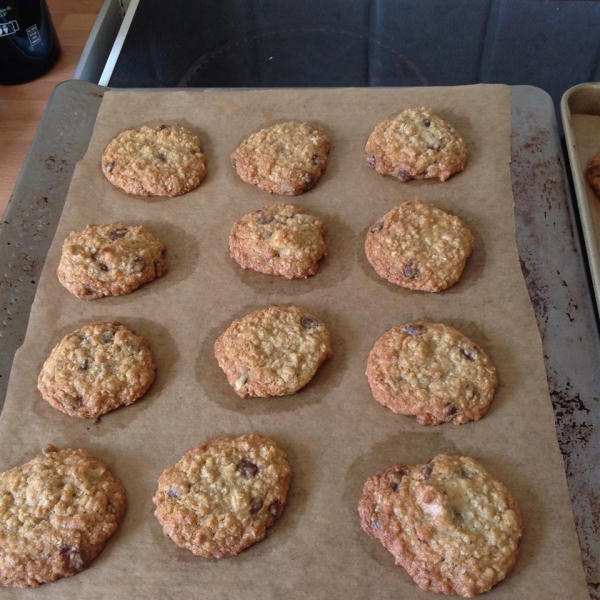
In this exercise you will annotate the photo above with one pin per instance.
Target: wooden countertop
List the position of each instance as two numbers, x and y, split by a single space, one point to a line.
22 106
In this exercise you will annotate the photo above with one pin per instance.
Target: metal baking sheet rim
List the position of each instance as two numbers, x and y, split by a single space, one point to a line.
591 243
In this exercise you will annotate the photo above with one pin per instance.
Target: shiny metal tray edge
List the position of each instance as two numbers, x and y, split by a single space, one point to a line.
583 99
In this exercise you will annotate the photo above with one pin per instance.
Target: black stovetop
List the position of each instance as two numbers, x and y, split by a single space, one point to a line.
333 43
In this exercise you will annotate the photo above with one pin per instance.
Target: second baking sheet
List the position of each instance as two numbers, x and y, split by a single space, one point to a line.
334 432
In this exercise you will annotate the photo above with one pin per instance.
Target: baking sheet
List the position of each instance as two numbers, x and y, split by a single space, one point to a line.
335 434
586 129
580 108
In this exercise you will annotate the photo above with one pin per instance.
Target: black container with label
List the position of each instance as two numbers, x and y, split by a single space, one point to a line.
28 42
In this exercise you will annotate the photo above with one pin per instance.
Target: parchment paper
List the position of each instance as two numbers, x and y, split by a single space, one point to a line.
335 434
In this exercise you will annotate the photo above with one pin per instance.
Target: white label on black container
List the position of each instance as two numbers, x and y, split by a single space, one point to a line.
34 35
8 28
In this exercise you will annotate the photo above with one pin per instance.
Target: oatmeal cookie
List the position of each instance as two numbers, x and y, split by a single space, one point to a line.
155 161
222 496
592 172
419 247
285 159
110 260
273 351
96 369
416 144
433 372
449 523
279 239
56 513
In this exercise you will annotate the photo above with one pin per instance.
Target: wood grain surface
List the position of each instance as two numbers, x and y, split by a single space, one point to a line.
22 106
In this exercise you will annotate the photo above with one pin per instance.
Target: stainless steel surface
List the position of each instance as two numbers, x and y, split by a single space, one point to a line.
119 41
35 207
583 99
553 265
549 248
100 42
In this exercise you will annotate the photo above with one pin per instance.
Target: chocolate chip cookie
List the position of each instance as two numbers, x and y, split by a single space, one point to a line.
155 161
110 260
279 239
433 372
592 172
419 247
416 144
285 159
273 352
96 369
56 513
449 523
222 496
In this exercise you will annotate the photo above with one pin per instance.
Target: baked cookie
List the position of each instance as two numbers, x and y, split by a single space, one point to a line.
272 352
155 161
416 144
56 513
285 159
592 172
419 247
433 372
449 523
279 239
110 260
222 496
96 369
